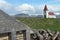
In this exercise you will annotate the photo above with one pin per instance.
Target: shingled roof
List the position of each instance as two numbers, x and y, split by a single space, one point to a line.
8 23
51 13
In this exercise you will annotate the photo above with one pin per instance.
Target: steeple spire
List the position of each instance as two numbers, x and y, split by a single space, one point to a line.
45 8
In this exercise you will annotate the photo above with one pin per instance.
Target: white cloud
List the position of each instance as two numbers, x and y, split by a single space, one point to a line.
4 4
7 7
26 8
52 8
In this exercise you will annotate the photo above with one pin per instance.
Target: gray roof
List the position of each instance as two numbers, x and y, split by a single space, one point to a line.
8 23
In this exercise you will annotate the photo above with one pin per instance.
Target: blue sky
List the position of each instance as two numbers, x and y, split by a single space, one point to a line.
13 7
34 2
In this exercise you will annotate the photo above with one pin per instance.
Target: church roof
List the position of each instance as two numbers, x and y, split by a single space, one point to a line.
51 13
8 23
45 8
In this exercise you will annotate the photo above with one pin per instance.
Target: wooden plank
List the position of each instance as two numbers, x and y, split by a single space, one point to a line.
20 37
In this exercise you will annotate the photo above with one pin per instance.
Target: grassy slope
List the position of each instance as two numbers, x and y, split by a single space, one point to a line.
38 23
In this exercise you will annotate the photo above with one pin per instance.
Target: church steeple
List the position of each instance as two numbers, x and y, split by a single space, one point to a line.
45 9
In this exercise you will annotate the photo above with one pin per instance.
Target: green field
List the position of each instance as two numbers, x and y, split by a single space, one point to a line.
42 23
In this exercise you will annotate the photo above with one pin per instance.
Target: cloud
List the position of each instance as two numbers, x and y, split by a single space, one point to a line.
53 8
50 7
29 9
7 7
26 8
4 4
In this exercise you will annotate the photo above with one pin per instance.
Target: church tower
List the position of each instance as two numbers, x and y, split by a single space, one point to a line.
45 11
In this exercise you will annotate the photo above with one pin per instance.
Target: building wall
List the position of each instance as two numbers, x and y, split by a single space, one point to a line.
47 14
50 16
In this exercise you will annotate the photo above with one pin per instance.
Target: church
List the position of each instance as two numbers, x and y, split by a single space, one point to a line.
48 14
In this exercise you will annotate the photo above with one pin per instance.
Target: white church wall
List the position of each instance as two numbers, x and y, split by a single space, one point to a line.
47 14
50 16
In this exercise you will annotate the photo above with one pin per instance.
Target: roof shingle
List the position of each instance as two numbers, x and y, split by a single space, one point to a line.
8 23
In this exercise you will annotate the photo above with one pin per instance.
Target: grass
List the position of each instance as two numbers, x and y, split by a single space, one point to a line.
42 23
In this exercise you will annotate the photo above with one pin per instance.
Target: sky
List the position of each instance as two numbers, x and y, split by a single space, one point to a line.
31 7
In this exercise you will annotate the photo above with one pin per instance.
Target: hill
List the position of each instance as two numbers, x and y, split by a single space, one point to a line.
27 15
22 15
41 23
